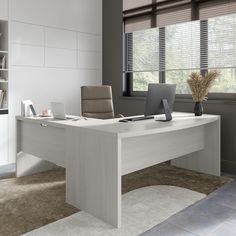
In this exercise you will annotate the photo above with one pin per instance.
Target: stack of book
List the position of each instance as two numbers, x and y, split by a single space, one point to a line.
3 62
2 98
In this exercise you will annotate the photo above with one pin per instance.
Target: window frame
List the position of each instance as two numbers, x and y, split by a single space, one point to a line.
128 75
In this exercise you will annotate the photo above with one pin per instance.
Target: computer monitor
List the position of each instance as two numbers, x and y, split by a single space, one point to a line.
160 100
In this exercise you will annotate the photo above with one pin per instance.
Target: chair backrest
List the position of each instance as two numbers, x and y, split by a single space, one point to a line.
96 102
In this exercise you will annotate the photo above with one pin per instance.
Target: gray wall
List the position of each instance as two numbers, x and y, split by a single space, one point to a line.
112 75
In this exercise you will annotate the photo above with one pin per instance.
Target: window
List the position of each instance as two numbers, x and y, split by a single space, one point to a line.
142 79
169 54
222 52
146 50
144 58
182 43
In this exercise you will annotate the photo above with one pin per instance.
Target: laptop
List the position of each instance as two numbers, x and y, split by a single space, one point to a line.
58 111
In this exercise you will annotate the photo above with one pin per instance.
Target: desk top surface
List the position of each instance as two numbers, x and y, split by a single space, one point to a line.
129 129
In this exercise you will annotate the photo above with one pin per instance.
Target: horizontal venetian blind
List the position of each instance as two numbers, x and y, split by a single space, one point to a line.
137 15
175 16
222 42
145 14
215 8
131 4
135 24
145 51
183 46
129 52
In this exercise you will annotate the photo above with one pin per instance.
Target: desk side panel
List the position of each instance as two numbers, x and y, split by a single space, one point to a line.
148 150
206 160
93 173
28 164
43 141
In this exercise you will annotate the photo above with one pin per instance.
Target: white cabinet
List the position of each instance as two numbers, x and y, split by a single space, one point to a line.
4 136
4 9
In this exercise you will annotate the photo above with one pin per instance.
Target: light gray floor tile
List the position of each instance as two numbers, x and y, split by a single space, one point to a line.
230 188
225 199
211 209
168 230
195 223
212 216
225 229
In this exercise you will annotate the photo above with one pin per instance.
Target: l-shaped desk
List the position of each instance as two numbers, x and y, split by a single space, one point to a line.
96 153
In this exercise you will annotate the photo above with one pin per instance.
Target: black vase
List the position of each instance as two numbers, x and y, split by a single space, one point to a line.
198 109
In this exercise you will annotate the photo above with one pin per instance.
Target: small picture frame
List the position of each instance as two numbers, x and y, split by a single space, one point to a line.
27 109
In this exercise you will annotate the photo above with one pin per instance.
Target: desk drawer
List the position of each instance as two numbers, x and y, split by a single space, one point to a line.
43 141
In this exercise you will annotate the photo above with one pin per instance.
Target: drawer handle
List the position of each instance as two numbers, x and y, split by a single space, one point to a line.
43 125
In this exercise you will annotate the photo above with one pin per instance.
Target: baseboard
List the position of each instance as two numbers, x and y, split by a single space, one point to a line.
228 166
7 165
7 169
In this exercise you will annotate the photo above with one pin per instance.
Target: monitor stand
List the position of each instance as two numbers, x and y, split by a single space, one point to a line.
167 111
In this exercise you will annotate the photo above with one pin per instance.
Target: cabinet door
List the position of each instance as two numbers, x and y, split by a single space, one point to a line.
3 9
4 137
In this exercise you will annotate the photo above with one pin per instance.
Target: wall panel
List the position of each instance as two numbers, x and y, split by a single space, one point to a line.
4 9
44 53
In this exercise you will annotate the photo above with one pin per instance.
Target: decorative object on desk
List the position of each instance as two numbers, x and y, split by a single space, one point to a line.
200 86
25 108
46 113
198 109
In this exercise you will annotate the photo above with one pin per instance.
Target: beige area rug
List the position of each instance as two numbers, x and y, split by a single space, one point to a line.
28 203
142 209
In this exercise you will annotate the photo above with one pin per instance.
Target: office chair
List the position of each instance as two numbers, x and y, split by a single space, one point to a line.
96 102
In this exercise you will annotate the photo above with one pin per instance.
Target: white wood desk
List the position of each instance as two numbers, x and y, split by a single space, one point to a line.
96 153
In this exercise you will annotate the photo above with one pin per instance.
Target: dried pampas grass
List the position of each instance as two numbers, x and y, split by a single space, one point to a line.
200 85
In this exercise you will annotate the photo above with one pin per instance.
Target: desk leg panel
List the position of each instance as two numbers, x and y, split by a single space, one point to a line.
93 173
207 160
27 164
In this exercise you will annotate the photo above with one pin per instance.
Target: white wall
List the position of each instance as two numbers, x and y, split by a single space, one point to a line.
55 47
4 9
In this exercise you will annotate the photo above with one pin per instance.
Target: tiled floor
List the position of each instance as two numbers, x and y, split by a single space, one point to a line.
213 216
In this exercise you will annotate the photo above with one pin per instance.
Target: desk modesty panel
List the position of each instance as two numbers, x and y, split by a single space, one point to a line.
96 153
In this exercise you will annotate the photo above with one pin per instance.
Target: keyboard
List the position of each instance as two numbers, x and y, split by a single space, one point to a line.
139 118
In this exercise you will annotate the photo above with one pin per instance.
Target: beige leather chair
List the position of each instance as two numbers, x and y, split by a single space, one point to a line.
96 102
